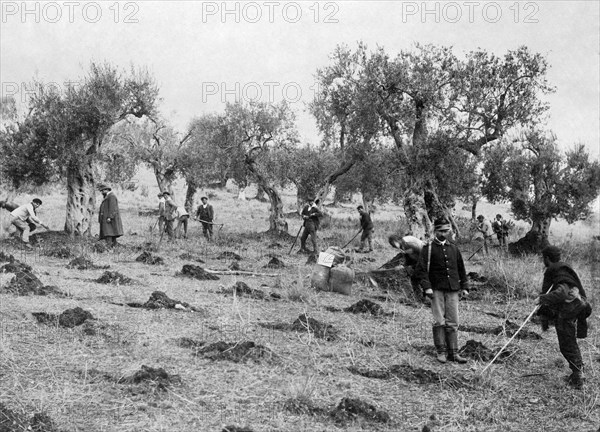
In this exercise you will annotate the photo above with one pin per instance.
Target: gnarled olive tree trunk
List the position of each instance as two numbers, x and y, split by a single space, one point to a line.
81 196
277 223
192 187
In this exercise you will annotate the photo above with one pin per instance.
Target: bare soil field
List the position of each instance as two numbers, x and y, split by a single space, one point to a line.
196 336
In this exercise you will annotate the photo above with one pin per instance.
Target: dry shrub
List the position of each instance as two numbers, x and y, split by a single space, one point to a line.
514 277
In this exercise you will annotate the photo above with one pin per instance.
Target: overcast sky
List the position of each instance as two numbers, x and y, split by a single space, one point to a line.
205 53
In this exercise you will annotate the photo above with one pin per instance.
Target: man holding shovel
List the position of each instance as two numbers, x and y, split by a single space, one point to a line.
311 215
25 220
367 228
206 214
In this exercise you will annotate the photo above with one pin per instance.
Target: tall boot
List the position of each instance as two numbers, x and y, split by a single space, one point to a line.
452 342
440 343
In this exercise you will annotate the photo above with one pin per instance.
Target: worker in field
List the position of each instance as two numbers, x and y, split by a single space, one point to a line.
442 275
367 227
311 216
24 219
563 302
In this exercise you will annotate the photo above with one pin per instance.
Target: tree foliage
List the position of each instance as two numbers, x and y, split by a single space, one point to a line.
64 131
539 181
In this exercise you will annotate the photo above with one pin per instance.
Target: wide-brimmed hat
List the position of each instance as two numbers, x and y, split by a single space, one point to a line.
102 187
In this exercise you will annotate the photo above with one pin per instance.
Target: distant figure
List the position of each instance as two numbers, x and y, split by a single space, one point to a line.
109 217
366 224
441 273
182 221
485 228
24 219
206 215
170 215
161 213
563 301
311 216
500 227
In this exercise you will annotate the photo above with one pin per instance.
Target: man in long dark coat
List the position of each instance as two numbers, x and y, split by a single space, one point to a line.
109 217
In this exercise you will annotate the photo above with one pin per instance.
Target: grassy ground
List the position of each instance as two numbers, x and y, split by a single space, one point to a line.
79 377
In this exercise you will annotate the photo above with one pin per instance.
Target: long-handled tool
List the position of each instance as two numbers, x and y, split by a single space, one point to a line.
355 235
295 240
480 247
514 335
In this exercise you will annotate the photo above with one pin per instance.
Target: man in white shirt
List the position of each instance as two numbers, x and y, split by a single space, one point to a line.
22 216
485 228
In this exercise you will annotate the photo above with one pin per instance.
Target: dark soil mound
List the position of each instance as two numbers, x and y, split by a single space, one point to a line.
186 342
159 300
68 319
100 247
235 265
15 267
396 281
275 263
147 258
509 328
26 283
227 255
235 352
147 373
303 406
115 278
350 410
41 422
410 374
58 251
365 306
474 276
74 317
197 272
478 351
83 263
312 259
242 289
532 243
157 378
189 257
394 262
318 329
10 421
236 429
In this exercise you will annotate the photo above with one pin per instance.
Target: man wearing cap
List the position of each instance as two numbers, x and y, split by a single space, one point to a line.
25 220
205 214
311 215
563 301
500 227
442 275
109 217
366 225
